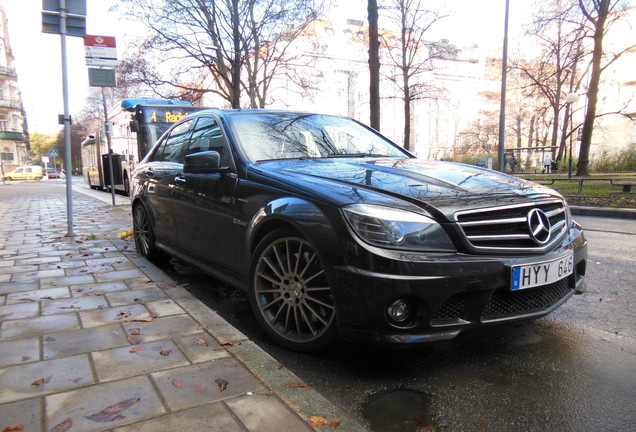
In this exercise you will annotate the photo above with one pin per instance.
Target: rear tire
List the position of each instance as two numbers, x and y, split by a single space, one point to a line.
290 294
144 234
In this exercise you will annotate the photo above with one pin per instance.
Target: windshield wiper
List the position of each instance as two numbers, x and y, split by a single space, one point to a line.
342 155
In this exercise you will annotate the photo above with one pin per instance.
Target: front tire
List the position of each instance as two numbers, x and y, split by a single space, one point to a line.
290 294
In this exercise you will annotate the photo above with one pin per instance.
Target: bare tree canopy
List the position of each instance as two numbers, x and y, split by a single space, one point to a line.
412 54
600 15
226 47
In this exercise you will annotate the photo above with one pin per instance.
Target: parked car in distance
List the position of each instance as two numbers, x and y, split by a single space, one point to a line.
26 172
333 230
52 173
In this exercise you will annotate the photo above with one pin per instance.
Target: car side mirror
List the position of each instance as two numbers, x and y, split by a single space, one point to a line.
202 162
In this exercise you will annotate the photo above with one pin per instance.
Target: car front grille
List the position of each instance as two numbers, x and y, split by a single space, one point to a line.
514 229
505 303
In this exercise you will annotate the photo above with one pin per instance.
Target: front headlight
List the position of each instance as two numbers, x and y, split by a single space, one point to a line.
392 228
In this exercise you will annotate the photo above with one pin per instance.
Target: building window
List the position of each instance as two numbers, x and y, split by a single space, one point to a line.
7 157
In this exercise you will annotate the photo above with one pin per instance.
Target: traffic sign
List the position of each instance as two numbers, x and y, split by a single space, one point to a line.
100 50
53 153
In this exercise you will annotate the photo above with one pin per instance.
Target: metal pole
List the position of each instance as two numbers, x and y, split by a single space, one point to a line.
570 158
67 124
110 150
502 109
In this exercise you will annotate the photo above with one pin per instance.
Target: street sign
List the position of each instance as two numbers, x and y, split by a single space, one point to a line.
53 153
101 77
75 17
100 50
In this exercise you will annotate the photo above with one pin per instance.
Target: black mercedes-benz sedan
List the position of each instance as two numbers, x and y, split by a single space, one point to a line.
333 230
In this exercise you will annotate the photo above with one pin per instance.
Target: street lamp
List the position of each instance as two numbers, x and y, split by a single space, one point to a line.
572 98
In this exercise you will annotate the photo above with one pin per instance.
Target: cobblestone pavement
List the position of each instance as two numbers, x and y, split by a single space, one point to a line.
94 337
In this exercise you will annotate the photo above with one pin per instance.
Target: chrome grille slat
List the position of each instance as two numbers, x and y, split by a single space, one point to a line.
505 228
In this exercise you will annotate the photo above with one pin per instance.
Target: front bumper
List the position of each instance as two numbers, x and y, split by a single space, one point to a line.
447 294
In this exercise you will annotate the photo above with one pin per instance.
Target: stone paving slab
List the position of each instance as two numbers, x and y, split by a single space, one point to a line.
164 328
104 406
199 384
114 315
19 310
37 326
265 413
137 359
36 295
26 413
45 377
213 417
71 342
129 297
18 351
73 305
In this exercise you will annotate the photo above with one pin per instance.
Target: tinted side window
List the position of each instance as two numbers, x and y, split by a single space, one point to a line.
171 147
207 135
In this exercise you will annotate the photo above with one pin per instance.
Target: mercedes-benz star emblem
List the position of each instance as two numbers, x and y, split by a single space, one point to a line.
539 225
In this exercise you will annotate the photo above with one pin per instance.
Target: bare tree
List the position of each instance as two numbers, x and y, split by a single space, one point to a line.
601 15
239 44
413 55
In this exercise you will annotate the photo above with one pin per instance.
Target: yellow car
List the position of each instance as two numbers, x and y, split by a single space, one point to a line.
27 172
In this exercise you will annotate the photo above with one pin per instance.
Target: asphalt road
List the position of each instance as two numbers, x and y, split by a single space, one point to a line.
574 370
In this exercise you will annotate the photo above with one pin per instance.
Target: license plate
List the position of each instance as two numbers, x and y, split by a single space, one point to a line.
532 275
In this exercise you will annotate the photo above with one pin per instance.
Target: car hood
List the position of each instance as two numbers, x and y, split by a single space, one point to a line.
435 186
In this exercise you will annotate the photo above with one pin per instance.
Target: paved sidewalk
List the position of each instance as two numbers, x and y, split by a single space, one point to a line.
94 337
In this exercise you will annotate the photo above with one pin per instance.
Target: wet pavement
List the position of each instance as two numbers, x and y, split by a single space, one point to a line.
94 337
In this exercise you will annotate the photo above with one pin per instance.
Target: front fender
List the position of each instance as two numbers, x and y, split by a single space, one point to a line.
315 223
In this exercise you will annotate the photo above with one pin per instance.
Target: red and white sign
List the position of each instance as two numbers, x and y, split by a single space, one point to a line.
100 50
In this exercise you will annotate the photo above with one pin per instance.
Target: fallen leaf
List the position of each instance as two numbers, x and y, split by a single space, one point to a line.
124 313
221 383
137 349
46 298
17 427
228 344
49 339
317 421
200 390
200 341
76 380
140 301
69 307
296 385
335 423
112 412
134 331
63 427
25 358
165 352
7 315
177 383
134 340
149 319
42 381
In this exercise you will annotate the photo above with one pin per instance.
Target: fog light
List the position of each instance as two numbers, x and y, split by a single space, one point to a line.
399 310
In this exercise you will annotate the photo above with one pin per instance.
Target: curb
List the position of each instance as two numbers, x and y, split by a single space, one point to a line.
623 213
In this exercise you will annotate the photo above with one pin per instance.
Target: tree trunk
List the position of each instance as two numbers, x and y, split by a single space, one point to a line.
236 61
583 165
374 65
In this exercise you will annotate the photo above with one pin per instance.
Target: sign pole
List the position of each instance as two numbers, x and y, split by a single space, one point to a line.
110 149
67 124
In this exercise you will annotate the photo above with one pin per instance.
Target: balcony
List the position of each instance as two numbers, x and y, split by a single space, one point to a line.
8 72
12 104
12 136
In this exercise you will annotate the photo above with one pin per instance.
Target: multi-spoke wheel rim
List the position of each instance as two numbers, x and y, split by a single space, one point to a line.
142 230
292 292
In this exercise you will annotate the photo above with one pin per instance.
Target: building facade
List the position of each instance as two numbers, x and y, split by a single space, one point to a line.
14 139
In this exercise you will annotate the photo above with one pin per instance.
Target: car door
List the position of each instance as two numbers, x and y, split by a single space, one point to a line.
158 175
202 203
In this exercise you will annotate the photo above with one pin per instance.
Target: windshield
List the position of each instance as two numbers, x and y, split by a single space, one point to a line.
272 136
